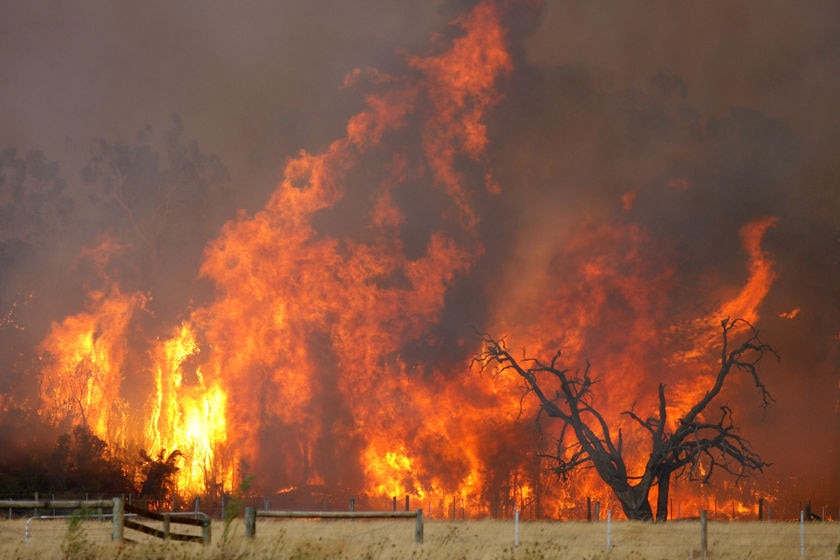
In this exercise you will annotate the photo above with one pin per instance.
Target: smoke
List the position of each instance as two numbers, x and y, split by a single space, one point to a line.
678 123
691 121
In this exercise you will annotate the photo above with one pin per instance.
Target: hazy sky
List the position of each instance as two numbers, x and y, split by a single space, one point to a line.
268 75
240 75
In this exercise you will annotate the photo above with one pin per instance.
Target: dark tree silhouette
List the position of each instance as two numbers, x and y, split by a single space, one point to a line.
35 215
83 463
34 203
160 199
698 444
24 460
138 219
159 481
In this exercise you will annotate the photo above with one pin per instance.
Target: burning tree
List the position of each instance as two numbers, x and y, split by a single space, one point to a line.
696 444
160 472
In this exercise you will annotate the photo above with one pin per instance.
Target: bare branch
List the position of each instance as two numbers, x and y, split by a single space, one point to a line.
699 446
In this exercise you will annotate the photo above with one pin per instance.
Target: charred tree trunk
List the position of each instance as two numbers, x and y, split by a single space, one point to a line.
664 486
696 444
634 502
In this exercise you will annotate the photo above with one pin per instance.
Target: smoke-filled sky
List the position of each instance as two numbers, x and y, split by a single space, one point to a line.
687 119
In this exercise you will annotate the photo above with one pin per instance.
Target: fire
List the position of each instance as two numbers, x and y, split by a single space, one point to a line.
188 415
301 304
392 472
745 304
314 364
789 314
84 357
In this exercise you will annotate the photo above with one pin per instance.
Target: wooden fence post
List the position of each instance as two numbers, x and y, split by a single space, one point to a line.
802 533
250 522
418 527
117 519
206 531
516 528
703 534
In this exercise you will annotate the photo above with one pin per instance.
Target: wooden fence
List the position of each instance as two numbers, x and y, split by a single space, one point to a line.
120 517
251 515
167 519
56 504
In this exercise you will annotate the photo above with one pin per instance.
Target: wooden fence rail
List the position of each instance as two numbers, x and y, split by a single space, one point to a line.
35 505
120 520
251 515
165 518
56 504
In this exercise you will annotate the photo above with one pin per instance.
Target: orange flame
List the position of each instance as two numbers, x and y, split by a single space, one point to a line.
188 415
303 369
84 357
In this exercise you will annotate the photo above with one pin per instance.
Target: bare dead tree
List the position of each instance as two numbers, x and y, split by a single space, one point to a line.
697 447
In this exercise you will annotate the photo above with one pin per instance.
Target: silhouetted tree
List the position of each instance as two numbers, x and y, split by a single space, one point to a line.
34 202
159 482
150 203
35 214
697 445
159 198
24 451
82 463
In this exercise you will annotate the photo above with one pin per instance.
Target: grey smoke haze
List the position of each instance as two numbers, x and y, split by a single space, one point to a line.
248 81
710 113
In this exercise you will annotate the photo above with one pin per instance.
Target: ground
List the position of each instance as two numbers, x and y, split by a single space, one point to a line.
387 539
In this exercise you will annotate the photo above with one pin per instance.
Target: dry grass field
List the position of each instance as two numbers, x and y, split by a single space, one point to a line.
386 539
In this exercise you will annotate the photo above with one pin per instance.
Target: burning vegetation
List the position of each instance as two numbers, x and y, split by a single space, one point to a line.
690 444
321 347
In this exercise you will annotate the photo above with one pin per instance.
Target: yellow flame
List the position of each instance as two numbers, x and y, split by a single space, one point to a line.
84 357
391 470
188 416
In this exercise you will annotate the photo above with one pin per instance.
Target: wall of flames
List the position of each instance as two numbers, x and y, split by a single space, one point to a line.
301 370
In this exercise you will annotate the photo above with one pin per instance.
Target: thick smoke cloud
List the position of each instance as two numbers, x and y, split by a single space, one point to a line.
708 116
689 120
